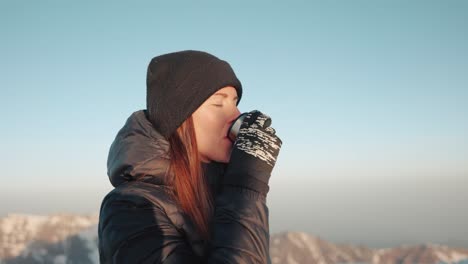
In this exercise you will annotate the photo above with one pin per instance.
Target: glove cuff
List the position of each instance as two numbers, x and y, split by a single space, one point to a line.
246 181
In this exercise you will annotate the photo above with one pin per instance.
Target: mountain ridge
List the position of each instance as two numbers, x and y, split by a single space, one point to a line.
60 238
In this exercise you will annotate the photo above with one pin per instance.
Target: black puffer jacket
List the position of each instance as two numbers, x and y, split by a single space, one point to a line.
140 223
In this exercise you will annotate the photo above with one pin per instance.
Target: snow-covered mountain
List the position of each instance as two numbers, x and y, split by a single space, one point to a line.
298 247
20 233
427 253
73 239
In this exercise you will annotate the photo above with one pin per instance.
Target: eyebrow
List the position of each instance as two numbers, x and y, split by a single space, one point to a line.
225 95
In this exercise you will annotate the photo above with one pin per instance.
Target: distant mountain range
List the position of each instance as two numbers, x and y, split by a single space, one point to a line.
65 238
298 247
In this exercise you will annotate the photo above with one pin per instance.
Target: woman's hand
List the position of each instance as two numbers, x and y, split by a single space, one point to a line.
254 152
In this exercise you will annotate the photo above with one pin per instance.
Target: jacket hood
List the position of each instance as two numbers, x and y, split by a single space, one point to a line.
140 152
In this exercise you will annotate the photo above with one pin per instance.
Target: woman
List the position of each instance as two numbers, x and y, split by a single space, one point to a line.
184 193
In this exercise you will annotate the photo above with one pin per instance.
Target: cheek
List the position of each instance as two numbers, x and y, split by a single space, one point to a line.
209 128
211 123
205 130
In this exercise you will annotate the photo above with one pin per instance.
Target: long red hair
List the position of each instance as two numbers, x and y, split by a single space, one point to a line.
191 190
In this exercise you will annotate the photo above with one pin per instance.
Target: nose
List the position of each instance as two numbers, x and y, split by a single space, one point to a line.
233 115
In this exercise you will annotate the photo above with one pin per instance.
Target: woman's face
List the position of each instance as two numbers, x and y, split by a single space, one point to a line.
212 121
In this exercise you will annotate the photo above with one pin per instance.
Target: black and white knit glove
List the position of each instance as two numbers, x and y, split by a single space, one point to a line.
254 153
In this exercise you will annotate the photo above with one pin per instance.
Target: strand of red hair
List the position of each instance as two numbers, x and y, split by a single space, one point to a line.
191 190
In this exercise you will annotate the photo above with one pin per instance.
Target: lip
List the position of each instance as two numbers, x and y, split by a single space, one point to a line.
226 135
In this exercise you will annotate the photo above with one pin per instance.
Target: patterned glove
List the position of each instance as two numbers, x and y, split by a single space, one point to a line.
254 153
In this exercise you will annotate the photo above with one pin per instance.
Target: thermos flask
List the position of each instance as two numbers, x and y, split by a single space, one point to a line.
235 126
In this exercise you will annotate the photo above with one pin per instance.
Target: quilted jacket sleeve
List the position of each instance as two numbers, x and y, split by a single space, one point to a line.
135 230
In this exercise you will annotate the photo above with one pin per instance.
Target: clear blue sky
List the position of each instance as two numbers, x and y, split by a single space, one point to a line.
369 98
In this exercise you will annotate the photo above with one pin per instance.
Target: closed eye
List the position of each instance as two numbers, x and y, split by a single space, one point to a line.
226 96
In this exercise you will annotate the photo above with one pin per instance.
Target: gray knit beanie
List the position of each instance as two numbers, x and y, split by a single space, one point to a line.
178 83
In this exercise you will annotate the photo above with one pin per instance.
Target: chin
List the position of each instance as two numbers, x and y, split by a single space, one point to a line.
222 159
